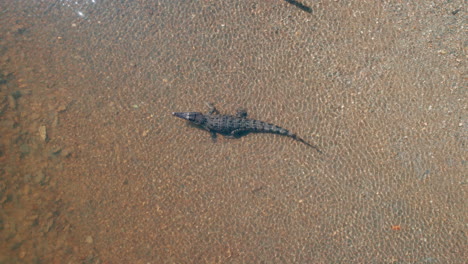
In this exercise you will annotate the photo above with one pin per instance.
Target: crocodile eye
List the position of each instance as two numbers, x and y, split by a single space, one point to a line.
191 116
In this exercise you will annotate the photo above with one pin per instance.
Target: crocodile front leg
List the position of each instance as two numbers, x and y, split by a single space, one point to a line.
241 113
212 109
213 136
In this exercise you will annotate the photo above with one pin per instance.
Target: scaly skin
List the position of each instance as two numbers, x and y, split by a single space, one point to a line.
235 126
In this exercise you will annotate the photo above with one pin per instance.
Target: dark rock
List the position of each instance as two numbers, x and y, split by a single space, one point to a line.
16 94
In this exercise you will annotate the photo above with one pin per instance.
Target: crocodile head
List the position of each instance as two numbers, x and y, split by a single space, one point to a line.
194 117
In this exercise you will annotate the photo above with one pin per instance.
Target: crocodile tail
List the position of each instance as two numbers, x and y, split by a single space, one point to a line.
295 137
282 131
264 127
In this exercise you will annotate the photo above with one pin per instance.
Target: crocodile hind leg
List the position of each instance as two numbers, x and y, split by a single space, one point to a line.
238 133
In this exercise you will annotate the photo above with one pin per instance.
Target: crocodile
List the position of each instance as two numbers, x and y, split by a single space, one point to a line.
235 126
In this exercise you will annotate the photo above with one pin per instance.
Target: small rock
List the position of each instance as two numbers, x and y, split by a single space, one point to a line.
62 107
56 151
43 133
89 239
22 254
56 120
25 149
442 52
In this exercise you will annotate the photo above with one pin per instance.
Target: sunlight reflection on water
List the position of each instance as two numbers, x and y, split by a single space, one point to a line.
78 7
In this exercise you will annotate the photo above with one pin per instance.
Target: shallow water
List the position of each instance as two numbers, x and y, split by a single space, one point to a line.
95 169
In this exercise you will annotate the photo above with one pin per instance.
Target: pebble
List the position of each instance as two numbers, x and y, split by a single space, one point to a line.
89 239
62 107
55 121
43 132
22 254
56 151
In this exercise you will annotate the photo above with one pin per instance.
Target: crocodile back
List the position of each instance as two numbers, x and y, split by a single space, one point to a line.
264 127
224 124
